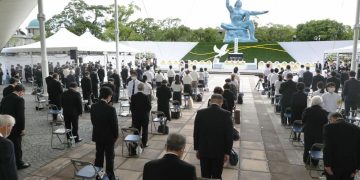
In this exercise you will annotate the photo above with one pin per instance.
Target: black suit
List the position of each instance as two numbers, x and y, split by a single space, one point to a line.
72 108
351 92
317 78
140 107
307 78
48 81
163 93
14 106
344 77
213 138
230 99
70 79
8 90
105 133
86 88
298 105
336 81
101 74
124 76
287 89
318 66
169 167
314 118
341 149
94 84
116 78
7 160
55 90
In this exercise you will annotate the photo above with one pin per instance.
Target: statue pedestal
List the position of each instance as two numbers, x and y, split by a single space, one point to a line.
241 34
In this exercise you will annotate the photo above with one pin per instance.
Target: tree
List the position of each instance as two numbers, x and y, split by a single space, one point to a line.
323 30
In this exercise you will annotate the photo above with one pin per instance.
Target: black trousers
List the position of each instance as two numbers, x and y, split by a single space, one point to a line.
72 122
350 104
143 128
117 94
106 149
16 139
211 167
340 176
171 79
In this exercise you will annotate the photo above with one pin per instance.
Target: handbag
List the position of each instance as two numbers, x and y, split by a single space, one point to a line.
234 158
236 135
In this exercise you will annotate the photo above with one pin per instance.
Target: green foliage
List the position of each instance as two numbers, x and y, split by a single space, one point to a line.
327 30
275 33
261 51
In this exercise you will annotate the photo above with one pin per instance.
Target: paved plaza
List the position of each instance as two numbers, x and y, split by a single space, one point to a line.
264 148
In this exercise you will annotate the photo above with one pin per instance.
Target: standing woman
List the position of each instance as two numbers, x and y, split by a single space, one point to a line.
177 89
163 94
202 78
147 88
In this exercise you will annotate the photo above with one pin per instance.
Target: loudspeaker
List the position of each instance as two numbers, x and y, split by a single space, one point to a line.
73 54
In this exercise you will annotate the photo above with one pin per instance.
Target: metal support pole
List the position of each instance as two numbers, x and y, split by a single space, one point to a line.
356 37
44 60
337 61
117 36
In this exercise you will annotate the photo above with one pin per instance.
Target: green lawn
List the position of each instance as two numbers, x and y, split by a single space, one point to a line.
262 51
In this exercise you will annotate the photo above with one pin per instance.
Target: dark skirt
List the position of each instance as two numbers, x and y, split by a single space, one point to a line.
177 96
187 88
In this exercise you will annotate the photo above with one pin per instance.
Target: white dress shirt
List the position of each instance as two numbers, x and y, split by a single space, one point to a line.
177 87
159 77
131 86
331 101
201 76
149 75
277 87
274 77
147 89
301 73
266 71
187 79
194 76
170 73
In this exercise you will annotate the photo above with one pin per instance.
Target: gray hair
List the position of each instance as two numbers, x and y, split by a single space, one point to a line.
140 86
175 142
6 120
316 100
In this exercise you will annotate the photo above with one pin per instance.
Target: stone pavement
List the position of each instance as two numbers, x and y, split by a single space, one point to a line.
264 149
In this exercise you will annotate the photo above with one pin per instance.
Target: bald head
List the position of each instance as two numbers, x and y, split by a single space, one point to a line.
217 99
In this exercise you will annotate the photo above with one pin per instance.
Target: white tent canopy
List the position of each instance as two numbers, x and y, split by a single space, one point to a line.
347 49
64 40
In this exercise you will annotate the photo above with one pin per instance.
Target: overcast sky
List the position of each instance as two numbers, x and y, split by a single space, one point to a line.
211 13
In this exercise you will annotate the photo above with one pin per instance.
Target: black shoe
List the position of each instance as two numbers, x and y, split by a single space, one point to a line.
78 140
145 146
23 166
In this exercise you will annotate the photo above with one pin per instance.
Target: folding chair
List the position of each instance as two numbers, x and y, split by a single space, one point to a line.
186 100
124 103
296 131
157 117
85 170
175 108
315 153
58 129
40 101
352 118
131 138
277 99
287 115
54 110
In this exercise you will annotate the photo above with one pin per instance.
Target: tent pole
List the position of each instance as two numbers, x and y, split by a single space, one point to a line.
32 70
117 36
44 60
356 37
337 61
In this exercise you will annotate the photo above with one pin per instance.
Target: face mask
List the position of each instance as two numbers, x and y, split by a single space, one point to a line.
133 77
331 90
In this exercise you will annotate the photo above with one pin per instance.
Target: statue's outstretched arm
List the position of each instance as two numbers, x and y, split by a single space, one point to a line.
229 6
257 12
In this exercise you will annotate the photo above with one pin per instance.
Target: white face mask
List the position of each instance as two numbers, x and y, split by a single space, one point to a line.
133 77
331 90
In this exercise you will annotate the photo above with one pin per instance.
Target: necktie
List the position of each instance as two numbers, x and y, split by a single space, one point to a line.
133 89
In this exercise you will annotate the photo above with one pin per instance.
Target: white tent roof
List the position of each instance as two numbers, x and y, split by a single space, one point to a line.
64 40
347 49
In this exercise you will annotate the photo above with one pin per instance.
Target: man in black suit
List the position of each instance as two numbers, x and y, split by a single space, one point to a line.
287 89
101 74
229 96
318 65
317 78
335 80
341 148
48 80
124 75
351 93
72 109
105 131
94 83
140 107
55 90
344 76
117 84
9 89
307 77
170 166
213 138
163 93
7 155
86 87
14 105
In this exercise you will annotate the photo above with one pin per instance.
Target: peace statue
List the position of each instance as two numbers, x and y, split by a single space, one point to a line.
241 26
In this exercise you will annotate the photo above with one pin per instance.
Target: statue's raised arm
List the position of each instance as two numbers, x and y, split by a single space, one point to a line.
257 12
228 6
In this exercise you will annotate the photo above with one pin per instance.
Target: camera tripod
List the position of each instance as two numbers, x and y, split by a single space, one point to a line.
258 84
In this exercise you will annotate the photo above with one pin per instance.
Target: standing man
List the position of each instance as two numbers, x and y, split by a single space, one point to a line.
341 149
195 79
301 73
72 109
9 89
170 75
124 75
170 166
86 87
163 94
317 78
307 78
101 74
287 89
55 90
14 105
7 155
140 109
1 75
105 131
351 93
117 84
213 138
132 85
94 84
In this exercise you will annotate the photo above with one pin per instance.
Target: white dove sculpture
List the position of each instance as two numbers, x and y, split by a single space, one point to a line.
222 51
